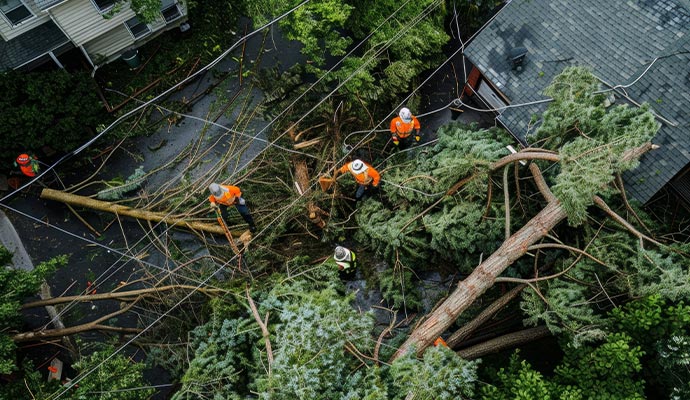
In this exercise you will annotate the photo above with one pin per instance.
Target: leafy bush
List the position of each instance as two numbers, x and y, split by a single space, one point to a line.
52 109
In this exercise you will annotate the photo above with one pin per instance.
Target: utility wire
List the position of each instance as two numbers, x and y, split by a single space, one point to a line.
156 98
222 266
151 102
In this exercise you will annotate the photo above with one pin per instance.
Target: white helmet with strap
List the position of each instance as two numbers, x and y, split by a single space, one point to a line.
357 166
405 114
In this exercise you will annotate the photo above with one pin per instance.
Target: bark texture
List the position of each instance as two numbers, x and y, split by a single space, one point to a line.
504 342
463 333
482 278
302 184
87 202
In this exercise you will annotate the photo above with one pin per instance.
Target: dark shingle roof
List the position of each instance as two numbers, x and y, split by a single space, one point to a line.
32 44
617 40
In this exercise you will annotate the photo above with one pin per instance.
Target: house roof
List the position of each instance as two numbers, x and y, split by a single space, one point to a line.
617 40
45 4
30 45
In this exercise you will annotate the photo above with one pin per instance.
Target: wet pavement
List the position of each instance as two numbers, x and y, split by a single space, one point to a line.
119 249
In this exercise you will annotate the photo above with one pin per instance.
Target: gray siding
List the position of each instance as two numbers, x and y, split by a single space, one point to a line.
9 32
82 22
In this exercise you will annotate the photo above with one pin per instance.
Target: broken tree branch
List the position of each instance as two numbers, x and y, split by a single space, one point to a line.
486 314
118 209
264 329
602 204
508 341
117 295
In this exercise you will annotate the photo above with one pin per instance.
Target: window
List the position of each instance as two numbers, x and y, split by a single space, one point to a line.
104 5
15 11
171 13
137 28
170 10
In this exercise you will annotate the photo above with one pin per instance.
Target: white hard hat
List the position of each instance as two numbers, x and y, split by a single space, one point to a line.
358 166
215 189
405 114
340 253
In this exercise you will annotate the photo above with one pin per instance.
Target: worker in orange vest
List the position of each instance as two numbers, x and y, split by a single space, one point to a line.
27 164
223 196
402 127
364 174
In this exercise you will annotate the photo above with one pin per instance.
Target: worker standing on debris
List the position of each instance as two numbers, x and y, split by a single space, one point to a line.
223 196
402 127
364 174
27 164
345 258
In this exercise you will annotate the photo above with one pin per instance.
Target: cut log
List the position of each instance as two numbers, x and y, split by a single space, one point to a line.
314 213
504 342
87 202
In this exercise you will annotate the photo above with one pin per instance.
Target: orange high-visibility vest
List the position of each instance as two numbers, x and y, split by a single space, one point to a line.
228 198
402 128
27 165
363 178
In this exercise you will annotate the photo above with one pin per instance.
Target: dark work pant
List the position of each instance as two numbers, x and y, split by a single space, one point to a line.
244 212
361 190
405 142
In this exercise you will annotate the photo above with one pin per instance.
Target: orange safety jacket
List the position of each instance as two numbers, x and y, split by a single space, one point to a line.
402 128
28 165
228 198
363 178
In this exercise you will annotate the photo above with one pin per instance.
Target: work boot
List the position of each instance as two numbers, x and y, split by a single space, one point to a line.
252 228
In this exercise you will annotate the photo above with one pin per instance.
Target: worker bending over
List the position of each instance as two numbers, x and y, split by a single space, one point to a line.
223 196
345 258
402 127
27 164
364 174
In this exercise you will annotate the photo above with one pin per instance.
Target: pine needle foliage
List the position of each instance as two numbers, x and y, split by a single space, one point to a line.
457 229
608 370
590 139
221 349
311 333
440 375
116 192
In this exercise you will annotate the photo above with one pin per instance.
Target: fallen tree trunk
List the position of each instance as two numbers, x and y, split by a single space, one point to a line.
89 326
87 202
482 278
504 342
461 334
126 295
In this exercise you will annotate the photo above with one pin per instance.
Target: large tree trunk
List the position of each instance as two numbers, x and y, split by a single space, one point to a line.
504 342
461 334
118 209
482 278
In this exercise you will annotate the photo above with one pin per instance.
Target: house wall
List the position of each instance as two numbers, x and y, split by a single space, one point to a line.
82 22
9 31
115 40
